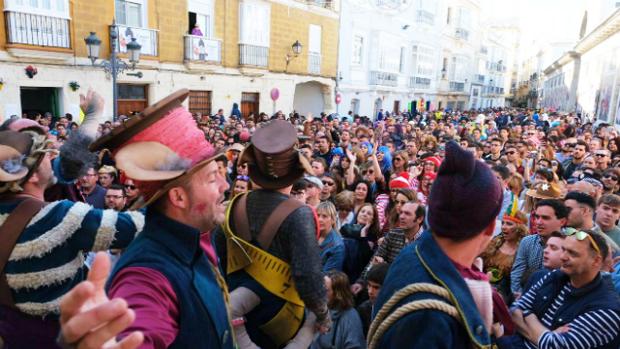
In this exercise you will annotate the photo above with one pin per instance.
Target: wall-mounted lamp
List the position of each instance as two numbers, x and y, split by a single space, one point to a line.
296 51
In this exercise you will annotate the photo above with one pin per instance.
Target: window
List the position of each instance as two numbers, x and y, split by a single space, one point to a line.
51 8
389 55
449 15
463 18
254 23
131 13
459 68
314 40
200 102
401 67
358 50
423 61
201 13
426 11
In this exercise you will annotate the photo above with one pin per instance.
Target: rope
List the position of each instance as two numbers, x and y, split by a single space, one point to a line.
381 324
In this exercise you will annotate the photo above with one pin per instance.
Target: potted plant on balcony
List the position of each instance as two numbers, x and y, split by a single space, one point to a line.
31 71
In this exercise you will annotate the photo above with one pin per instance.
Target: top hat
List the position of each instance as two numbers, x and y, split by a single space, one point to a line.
159 147
272 156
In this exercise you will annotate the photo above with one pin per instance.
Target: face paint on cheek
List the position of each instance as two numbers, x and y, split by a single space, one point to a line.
199 208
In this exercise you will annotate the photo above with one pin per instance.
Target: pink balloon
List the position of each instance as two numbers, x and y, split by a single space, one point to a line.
275 94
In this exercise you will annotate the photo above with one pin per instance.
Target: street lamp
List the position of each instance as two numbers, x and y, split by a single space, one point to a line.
115 65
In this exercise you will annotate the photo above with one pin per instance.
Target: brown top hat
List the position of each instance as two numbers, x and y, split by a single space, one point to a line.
159 147
272 156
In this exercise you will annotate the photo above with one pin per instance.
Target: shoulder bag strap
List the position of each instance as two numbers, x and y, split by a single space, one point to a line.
241 224
275 220
10 231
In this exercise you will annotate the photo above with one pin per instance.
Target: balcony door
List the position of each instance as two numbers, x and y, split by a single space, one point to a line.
249 104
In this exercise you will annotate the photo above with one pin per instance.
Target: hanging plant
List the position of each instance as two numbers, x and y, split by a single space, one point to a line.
74 86
31 71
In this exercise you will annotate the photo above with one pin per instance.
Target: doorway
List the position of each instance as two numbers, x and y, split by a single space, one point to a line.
132 99
396 108
249 104
40 100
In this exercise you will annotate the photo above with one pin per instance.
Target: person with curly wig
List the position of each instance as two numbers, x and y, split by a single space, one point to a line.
500 253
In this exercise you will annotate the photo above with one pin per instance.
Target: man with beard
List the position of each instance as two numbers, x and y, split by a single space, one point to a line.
43 244
92 192
169 276
572 164
571 307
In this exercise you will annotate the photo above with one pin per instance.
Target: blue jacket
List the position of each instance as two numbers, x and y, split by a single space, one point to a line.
173 249
424 261
332 251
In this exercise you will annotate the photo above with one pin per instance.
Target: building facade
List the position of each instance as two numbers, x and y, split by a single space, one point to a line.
418 55
586 79
240 52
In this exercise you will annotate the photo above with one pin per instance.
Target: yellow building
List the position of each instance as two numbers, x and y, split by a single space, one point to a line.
240 52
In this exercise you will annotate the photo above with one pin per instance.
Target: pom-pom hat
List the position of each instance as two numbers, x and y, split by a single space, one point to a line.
465 197
159 147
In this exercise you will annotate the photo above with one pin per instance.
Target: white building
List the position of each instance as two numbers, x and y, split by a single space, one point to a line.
586 79
418 54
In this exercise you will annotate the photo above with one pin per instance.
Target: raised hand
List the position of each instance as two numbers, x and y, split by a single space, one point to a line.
89 320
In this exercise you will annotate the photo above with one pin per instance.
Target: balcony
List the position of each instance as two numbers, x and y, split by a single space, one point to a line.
38 30
314 63
257 56
457 86
147 38
461 33
425 17
383 78
198 48
328 4
418 82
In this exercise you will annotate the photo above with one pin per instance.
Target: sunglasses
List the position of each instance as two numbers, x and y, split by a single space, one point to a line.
398 159
570 145
582 235
615 178
600 155
368 172
243 178
329 183
130 186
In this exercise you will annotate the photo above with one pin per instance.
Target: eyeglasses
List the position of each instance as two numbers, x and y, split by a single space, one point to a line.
329 183
130 186
368 172
582 235
612 177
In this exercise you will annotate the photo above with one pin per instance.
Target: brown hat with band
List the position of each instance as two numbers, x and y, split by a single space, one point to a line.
272 156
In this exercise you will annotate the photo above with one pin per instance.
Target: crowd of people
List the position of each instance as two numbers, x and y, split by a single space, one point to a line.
445 202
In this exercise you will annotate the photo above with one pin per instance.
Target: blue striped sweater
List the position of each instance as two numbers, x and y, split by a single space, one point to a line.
48 259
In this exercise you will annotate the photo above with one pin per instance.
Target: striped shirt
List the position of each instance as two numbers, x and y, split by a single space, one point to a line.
529 258
592 329
48 258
